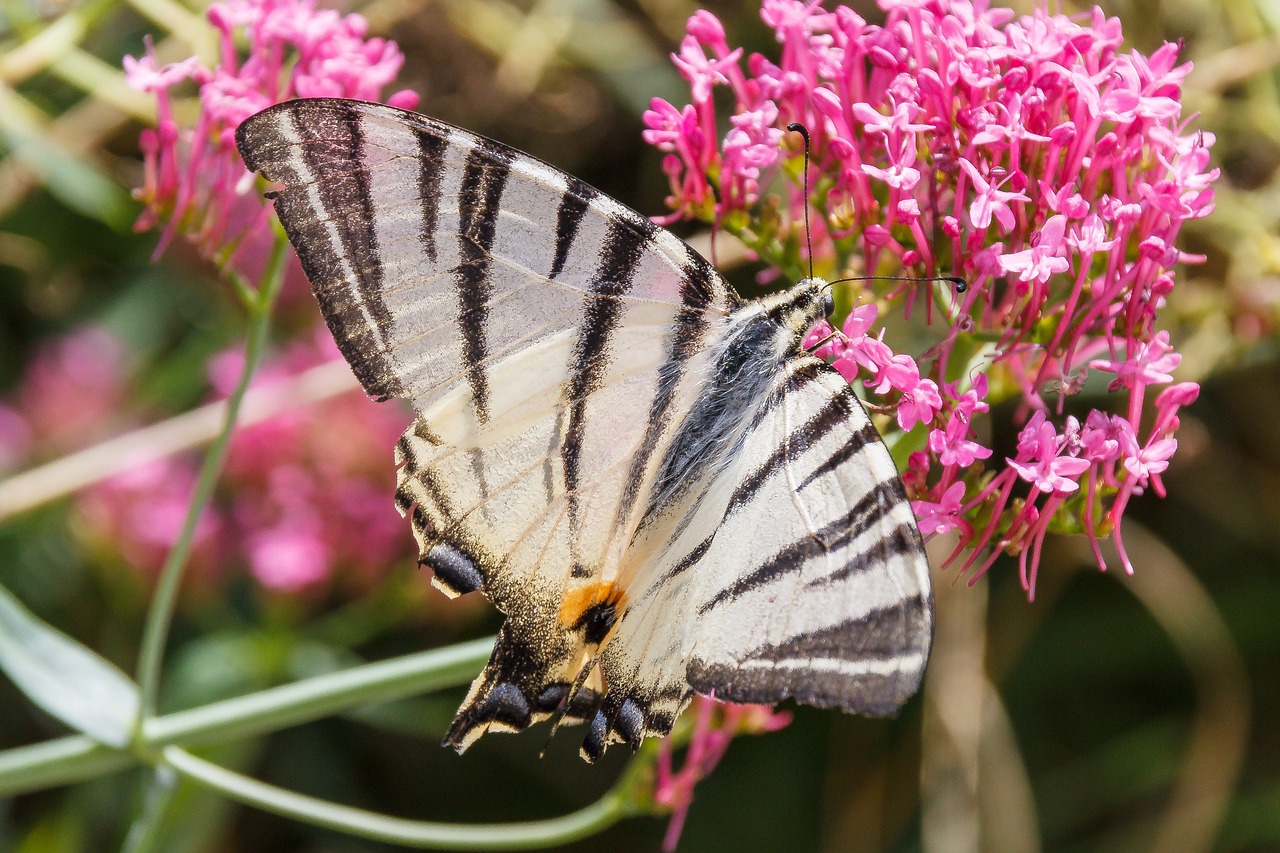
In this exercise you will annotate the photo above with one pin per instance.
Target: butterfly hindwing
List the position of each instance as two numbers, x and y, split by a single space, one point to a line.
796 571
647 476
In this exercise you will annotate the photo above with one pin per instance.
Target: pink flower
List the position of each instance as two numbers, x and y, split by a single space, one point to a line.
944 516
288 558
707 29
990 200
898 175
1039 462
919 404
898 122
72 392
823 342
701 72
139 513
1090 237
143 75
858 323
1035 157
668 126
1149 363
715 725
1145 463
15 439
952 445
899 372
194 181
1100 437
1044 259
303 504
1169 402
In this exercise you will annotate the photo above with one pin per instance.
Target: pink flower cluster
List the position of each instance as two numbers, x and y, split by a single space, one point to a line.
1031 156
194 181
715 724
71 392
302 505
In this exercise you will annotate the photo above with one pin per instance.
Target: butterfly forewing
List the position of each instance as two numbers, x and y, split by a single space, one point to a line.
650 478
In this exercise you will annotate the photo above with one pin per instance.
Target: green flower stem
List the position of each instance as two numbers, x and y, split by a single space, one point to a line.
146 833
76 758
291 704
160 615
411 833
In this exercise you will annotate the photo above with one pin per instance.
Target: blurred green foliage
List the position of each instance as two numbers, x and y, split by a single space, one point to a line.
1121 700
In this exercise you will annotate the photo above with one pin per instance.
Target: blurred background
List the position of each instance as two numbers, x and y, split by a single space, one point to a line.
1112 714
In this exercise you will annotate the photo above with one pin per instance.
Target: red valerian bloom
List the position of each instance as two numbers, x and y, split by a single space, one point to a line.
195 183
1032 156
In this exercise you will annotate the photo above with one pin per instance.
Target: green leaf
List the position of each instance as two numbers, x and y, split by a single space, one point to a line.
67 680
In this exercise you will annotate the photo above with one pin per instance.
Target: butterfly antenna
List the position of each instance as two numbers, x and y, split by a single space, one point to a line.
955 281
797 127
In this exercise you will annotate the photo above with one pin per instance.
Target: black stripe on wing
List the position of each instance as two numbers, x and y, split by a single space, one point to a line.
432 150
480 195
573 207
686 339
347 277
806 667
865 514
836 412
619 258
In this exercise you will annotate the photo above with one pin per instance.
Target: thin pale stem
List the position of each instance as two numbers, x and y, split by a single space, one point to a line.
72 759
160 615
187 431
411 833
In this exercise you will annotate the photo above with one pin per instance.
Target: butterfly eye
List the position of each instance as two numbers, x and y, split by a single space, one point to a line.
828 304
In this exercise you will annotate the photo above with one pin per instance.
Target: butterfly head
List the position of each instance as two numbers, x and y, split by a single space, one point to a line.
800 307
828 301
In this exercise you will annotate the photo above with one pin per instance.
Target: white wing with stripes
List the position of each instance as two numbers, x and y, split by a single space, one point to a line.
649 477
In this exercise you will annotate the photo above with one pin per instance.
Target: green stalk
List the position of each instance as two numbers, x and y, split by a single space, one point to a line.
146 832
75 758
410 833
160 615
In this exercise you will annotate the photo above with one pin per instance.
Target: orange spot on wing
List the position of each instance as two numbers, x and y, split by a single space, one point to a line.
578 601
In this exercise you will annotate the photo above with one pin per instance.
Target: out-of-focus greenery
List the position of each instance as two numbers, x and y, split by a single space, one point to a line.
1126 714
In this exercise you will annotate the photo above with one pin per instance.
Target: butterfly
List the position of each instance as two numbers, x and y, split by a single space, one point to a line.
653 480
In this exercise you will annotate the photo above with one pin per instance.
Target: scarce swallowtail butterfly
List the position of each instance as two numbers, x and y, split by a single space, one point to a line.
648 475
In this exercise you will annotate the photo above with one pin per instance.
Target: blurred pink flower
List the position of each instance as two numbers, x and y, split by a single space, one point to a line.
15 439
139 513
303 503
71 393
288 558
